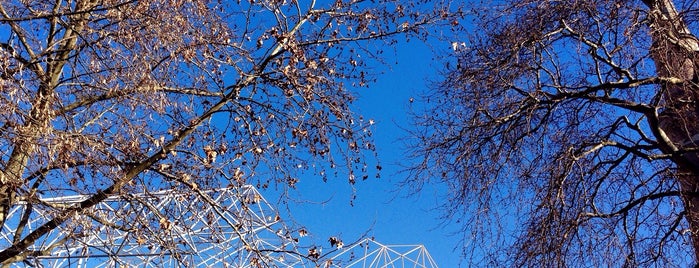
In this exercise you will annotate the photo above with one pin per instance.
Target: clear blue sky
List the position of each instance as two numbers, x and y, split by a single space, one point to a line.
389 216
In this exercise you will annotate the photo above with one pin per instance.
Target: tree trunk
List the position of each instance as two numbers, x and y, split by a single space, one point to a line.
675 52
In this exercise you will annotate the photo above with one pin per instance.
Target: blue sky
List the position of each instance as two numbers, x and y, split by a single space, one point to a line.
388 213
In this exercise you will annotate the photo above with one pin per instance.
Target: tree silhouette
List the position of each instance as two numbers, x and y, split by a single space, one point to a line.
566 132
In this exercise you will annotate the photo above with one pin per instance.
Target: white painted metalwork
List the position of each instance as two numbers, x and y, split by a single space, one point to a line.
372 254
230 227
226 227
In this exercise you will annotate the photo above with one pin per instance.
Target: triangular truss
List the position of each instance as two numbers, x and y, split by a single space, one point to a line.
371 254
230 227
234 227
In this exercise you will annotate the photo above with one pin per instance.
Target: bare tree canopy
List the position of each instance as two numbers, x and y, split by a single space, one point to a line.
566 132
107 98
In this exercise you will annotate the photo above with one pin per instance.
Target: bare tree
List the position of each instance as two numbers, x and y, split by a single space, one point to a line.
108 98
566 132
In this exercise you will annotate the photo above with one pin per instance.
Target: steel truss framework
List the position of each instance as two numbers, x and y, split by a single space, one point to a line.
231 227
371 254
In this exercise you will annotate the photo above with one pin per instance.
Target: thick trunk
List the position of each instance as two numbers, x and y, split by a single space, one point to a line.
676 54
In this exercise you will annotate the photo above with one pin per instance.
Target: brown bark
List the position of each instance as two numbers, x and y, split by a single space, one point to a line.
675 51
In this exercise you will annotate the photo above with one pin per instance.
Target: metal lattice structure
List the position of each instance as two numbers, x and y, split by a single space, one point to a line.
241 229
231 227
371 254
